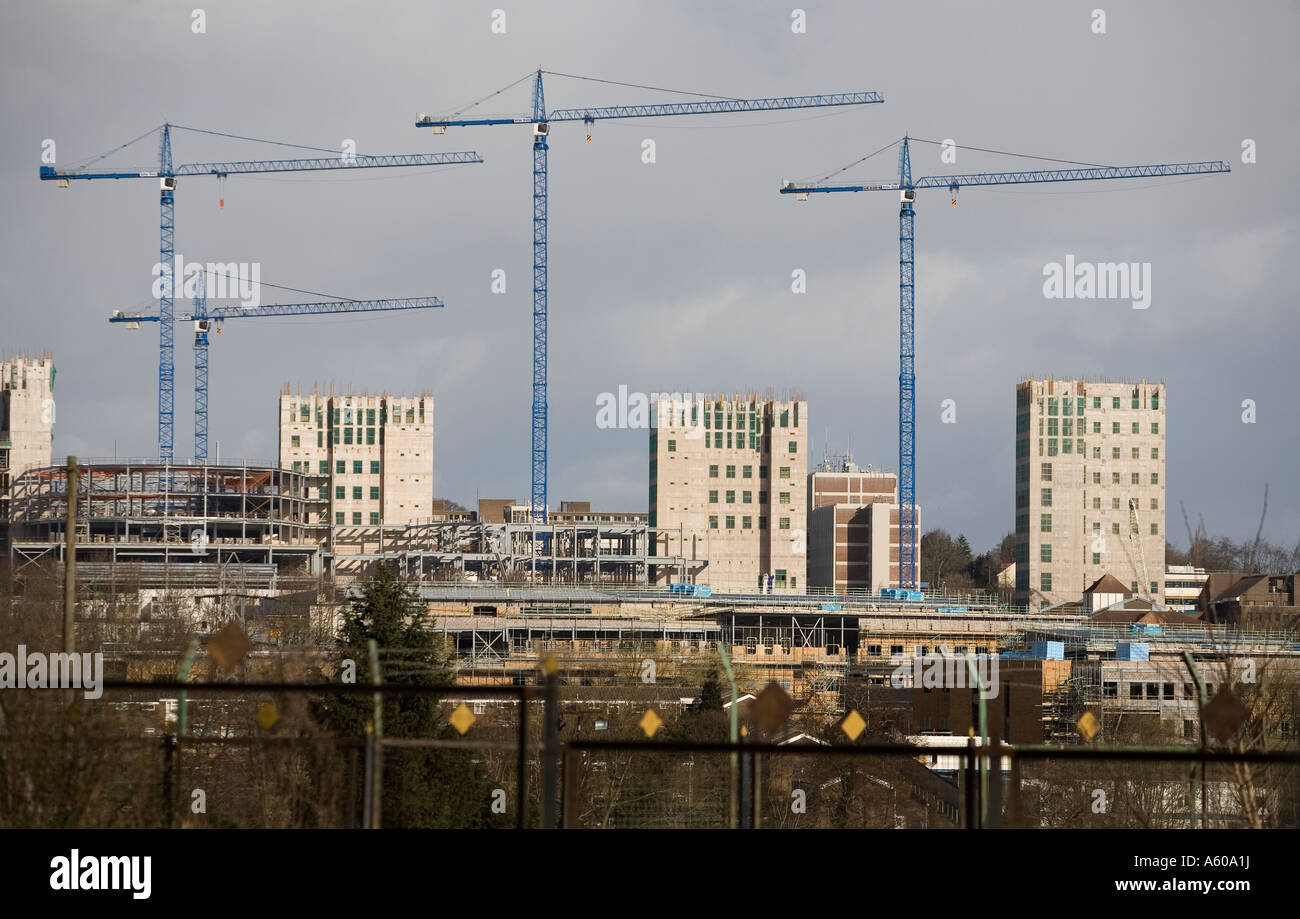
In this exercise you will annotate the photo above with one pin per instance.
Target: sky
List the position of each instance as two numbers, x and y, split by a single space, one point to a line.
675 275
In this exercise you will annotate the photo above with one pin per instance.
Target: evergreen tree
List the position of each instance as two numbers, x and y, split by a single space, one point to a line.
965 557
422 787
711 692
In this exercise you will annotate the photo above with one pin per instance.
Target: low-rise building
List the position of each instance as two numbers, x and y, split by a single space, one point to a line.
1255 600
853 548
853 528
1183 586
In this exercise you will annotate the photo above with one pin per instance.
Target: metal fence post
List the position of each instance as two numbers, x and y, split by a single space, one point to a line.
70 560
169 783
971 790
377 768
569 786
1190 662
994 818
521 778
733 821
550 750
1015 806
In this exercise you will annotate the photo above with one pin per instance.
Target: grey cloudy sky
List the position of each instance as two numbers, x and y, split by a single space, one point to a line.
676 275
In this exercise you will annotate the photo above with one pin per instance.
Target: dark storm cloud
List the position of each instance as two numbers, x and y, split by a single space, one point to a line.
676 275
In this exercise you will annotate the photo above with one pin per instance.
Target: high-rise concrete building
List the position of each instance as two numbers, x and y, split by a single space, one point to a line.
26 424
730 474
376 450
1090 487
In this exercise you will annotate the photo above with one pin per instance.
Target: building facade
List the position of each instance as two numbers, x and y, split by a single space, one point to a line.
842 482
854 547
26 424
1183 586
571 513
853 532
729 473
376 450
1090 488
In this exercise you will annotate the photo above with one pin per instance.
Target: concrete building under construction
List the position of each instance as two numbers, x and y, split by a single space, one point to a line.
728 473
157 524
26 424
376 452
1090 487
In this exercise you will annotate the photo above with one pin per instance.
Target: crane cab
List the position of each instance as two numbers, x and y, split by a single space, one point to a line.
799 195
435 128
907 196
541 129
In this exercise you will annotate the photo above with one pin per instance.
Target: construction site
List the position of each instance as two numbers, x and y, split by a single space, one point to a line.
717 630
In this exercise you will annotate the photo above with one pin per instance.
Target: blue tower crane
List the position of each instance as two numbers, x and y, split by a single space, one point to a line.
167 175
541 121
906 187
204 321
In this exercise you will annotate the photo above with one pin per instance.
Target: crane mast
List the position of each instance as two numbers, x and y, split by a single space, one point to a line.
908 537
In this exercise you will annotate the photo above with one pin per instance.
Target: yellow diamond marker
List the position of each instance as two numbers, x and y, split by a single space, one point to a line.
1088 726
853 725
650 722
462 718
229 646
1224 715
772 708
549 664
267 716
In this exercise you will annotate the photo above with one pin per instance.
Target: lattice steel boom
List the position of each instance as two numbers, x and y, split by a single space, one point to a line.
167 174
908 536
541 120
204 319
